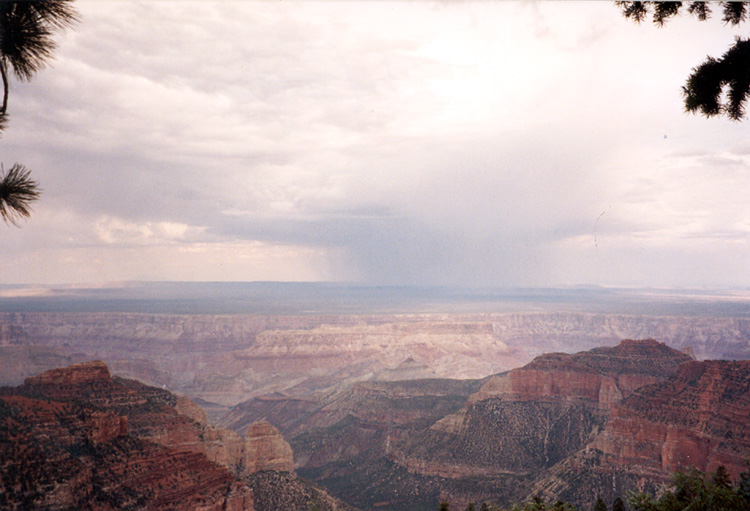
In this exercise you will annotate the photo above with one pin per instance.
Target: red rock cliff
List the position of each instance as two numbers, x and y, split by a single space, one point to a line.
158 416
76 374
534 417
70 455
699 418
601 377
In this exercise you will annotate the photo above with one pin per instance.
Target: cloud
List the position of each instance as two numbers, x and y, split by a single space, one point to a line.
117 231
470 143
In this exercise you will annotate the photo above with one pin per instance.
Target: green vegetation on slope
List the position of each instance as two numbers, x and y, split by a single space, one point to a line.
692 490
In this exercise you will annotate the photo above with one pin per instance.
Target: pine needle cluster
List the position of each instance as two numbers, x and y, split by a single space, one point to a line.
26 46
17 191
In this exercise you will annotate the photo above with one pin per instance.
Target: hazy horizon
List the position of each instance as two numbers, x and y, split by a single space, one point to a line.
306 298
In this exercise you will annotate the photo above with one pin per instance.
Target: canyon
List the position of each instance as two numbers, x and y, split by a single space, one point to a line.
222 360
698 418
572 426
601 422
367 411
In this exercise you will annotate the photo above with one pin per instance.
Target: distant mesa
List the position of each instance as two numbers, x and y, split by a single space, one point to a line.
601 376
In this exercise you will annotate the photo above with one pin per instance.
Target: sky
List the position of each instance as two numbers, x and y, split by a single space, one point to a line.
481 144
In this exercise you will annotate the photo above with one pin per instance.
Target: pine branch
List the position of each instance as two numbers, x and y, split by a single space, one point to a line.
707 83
17 191
26 30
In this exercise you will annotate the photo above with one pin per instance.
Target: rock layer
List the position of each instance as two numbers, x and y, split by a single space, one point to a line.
68 455
533 417
266 449
76 374
601 376
158 416
227 359
471 439
77 438
698 419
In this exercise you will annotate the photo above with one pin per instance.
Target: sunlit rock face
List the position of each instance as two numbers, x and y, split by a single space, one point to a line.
76 374
173 421
266 449
78 438
465 440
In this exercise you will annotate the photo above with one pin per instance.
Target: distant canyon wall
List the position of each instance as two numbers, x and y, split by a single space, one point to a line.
229 358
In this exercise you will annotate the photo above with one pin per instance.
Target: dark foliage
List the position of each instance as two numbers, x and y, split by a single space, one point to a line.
665 10
735 12
17 191
731 74
26 46
539 504
727 78
700 10
26 30
695 491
